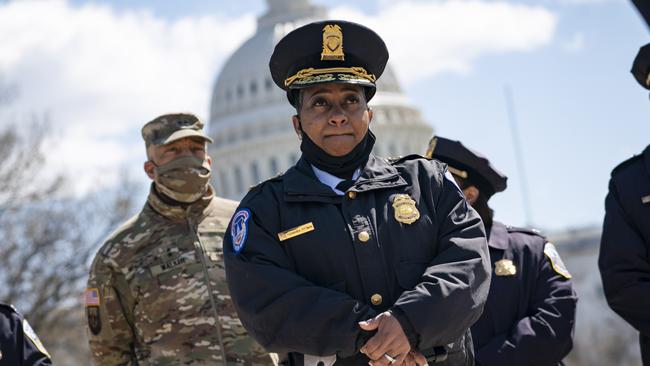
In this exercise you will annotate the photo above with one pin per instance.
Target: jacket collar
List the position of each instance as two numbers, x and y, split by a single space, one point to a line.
498 236
176 213
300 182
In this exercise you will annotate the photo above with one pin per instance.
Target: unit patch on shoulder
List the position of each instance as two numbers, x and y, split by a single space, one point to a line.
94 319
556 261
29 332
239 229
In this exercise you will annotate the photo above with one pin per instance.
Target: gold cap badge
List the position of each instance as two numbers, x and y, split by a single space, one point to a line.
505 267
332 43
405 210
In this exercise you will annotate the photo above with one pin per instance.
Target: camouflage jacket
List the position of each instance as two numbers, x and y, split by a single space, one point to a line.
148 300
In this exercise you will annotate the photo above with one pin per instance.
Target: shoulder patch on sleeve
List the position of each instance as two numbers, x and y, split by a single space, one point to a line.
31 335
239 229
556 261
91 297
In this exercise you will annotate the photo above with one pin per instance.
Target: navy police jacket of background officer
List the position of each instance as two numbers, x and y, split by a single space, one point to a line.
19 345
529 316
625 246
307 293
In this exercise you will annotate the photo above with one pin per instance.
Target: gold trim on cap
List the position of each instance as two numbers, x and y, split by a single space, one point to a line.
461 173
306 73
647 80
431 148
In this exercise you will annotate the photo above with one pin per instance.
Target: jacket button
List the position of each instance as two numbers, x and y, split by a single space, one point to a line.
364 236
352 195
376 299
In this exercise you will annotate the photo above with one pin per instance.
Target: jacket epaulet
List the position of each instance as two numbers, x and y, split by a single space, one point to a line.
8 306
400 159
626 163
276 178
514 229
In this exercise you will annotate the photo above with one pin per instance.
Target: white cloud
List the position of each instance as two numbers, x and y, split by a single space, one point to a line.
100 74
426 38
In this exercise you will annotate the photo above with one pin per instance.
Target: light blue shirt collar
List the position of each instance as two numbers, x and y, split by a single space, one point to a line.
332 180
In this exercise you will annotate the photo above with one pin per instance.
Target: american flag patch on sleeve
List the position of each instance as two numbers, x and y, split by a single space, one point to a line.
92 297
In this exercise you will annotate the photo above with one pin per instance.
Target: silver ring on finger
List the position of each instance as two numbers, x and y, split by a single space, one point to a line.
391 360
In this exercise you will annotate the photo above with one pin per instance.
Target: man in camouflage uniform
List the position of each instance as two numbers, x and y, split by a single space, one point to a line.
148 298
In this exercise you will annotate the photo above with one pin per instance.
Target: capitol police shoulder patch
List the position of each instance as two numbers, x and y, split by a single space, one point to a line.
239 229
556 261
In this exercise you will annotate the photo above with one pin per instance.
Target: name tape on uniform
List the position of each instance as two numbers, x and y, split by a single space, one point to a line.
298 230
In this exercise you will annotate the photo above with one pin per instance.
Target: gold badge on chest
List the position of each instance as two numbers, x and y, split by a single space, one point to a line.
505 267
405 210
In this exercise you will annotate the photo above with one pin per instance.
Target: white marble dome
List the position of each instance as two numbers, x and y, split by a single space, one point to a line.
250 117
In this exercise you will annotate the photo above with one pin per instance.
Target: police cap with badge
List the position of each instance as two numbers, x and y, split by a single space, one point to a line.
331 51
467 164
641 65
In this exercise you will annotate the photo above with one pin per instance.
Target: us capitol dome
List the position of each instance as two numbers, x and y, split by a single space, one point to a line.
250 117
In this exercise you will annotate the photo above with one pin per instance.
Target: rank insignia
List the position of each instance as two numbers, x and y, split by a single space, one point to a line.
332 43
556 261
405 210
645 199
505 267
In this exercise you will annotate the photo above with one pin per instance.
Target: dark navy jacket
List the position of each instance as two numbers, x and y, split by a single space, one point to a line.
306 294
530 314
625 246
19 346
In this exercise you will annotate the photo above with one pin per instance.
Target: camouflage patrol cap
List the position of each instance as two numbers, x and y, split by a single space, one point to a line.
171 127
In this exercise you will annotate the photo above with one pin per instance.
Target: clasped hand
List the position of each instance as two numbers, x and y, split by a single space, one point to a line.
389 346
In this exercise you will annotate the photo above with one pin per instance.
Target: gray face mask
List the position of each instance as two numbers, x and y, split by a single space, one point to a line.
184 179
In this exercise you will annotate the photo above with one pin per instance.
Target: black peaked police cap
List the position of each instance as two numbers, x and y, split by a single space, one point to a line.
641 66
467 164
330 51
643 6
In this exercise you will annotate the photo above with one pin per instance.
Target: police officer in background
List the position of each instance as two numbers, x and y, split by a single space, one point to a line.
157 291
348 258
19 344
624 259
529 316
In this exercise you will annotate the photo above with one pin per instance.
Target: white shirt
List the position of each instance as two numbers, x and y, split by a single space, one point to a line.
331 180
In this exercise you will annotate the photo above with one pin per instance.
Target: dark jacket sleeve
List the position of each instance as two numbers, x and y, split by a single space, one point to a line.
451 293
544 337
17 348
282 310
623 262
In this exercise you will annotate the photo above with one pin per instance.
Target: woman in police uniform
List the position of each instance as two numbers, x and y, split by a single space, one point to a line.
347 258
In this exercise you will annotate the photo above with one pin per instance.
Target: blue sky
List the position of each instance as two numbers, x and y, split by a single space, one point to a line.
579 110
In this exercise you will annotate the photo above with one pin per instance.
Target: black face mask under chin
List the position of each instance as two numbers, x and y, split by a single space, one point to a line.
340 166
